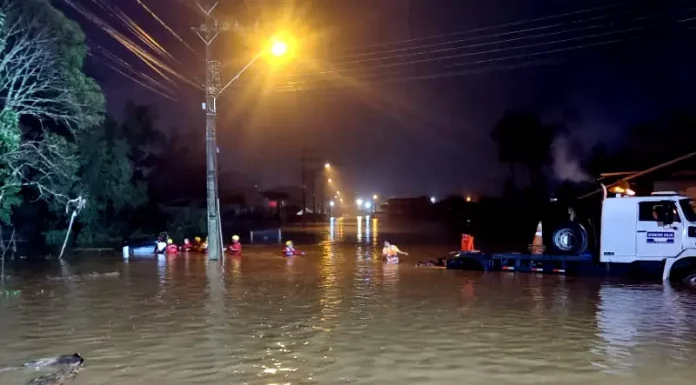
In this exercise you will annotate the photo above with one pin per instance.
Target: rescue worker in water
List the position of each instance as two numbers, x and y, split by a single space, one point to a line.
172 248
236 247
187 246
392 252
290 250
197 244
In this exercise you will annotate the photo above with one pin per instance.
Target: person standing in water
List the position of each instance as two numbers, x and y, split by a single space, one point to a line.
392 252
290 250
236 247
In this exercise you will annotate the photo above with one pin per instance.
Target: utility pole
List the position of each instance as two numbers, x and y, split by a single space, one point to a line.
303 159
312 179
208 32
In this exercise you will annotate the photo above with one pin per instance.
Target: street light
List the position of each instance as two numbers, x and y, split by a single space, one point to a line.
327 166
277 48
330 180
375 197
332 203
359 202
368 205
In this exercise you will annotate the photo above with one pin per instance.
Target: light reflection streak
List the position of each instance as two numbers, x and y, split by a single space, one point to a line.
161 274
236 263
332 229
161 268
375 233
359 234
330 293
367 229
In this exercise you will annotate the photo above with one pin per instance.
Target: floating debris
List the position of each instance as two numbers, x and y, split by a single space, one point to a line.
114 274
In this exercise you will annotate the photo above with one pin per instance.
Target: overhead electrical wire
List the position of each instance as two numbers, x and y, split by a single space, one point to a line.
451 42
491 27
129 68
163 24
431 55
155 64
131 77
518 47
498 42
384 78
135 29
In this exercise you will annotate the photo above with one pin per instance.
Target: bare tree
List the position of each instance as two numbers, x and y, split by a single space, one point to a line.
32 80
41 53
42 164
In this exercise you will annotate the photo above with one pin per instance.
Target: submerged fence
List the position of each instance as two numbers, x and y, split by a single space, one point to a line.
266 236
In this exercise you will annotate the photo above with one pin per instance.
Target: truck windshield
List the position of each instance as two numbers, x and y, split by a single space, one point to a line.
688 209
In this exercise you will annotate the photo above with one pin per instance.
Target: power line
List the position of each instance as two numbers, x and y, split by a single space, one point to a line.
130 69
136 29
439 75
642 18
155 64
488 28
441 58
473 38
163 24
137 81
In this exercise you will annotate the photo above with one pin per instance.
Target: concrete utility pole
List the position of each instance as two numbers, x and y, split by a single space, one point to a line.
313 175
208 32
303 176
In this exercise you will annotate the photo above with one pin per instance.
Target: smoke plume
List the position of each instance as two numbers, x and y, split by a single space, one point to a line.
566 165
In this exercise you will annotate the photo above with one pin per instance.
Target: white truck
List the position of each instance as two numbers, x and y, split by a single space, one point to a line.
651 237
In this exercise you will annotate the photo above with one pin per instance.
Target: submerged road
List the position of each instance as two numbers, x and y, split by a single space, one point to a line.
339 315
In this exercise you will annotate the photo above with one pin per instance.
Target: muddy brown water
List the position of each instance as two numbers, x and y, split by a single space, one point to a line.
338 315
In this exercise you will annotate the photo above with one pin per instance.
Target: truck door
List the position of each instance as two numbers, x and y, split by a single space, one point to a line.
656 239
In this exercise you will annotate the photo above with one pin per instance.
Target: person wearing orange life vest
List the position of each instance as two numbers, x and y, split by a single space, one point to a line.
236 247
171 247
391 252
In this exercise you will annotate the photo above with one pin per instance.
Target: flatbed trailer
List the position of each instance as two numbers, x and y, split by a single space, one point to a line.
584 264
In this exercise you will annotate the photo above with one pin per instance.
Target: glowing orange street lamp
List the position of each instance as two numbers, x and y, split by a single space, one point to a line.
279 48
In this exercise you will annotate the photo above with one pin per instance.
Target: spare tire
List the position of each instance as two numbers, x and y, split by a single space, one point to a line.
570 238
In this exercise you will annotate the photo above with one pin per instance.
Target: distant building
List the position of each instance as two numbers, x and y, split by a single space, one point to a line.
408 207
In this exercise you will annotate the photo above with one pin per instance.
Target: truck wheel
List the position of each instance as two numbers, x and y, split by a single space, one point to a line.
569 239
690 280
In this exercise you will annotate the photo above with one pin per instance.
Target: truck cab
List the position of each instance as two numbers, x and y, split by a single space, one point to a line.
659 228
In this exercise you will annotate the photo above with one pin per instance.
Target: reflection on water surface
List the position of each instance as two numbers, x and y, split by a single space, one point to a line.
339 315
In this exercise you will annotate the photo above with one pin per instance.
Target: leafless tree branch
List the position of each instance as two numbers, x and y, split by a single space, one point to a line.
32 81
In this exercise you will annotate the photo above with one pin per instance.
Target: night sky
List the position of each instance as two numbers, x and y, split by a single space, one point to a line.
391 135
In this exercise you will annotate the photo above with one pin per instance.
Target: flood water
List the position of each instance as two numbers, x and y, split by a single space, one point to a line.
338 315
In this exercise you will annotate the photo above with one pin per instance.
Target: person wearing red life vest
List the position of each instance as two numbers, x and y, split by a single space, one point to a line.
290 250
236 247
171 247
